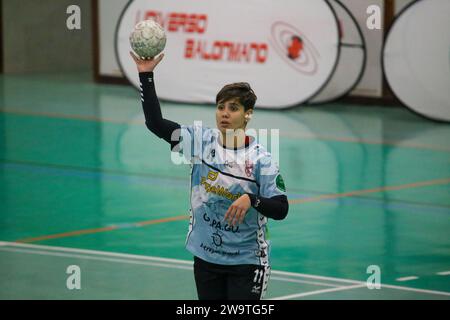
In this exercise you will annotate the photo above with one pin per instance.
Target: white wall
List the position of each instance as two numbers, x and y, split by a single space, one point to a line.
36 38
400 4
109 12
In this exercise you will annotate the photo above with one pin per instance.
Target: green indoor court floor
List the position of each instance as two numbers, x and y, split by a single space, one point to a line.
82 182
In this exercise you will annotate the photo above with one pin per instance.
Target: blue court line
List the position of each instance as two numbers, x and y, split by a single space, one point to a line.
91 174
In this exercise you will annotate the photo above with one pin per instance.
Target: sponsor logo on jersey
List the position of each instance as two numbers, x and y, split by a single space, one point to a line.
280 183
217 239
229 164
256 289
221 252
218 189
248 168
219 225
212 175
260 253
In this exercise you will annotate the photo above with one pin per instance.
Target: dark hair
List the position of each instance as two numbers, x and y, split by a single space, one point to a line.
240 90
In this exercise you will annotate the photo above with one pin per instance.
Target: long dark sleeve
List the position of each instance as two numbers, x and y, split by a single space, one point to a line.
276 207
154 121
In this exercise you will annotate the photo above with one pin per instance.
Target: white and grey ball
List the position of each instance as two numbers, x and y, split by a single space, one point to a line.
148 39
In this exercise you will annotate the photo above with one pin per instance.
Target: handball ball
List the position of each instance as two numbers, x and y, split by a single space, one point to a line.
148 39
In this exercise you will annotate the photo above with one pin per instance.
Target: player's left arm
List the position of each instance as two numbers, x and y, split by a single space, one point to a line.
271 201
276 207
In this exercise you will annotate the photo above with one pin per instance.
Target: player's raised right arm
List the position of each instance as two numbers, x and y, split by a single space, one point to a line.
154 121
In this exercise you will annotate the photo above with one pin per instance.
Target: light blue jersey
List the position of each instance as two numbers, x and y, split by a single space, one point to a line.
220 176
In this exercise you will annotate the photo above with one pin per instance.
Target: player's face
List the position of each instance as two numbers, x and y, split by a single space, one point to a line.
230 114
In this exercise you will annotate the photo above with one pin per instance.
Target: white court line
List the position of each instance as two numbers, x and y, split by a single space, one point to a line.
306 282
310 276
69 255
312 293
102 253
443 273
441 293
87 257
175 261
407 278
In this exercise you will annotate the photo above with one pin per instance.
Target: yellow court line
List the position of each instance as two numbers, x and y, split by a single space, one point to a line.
294 201
67 234
393 143
375 190
98 230
60 116
286 134
150 222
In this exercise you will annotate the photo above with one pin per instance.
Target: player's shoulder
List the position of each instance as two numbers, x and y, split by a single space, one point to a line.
256 149
260 155
265 163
